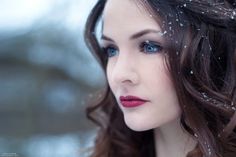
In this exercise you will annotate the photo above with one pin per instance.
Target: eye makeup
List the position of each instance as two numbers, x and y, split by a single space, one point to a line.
147 47
150 43
110 50
150 47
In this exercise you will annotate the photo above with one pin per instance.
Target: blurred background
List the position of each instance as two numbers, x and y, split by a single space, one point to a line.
47 77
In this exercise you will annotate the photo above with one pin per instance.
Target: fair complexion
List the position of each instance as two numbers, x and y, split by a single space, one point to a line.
136 66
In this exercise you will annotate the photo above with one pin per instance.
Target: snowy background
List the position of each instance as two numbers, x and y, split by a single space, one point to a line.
45 79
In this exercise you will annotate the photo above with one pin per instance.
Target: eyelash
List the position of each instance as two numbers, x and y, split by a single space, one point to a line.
109 47
158 47
155 48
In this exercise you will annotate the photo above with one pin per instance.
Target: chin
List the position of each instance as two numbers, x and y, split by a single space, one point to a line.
138 126
138 129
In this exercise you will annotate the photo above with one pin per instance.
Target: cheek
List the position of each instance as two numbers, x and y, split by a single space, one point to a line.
161 85
109 75
157 76
168 93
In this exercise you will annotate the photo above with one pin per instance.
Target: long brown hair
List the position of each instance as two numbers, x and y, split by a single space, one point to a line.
201 56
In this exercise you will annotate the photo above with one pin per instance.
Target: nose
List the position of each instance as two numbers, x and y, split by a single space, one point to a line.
125 71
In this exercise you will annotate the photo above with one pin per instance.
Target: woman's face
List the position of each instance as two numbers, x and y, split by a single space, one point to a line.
136 67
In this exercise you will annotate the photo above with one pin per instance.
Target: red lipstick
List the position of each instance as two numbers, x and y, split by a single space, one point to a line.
131 101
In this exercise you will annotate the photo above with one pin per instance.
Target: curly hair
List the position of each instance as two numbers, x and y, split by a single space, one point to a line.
201 56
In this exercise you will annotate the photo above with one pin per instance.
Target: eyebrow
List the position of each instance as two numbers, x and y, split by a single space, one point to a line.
134 36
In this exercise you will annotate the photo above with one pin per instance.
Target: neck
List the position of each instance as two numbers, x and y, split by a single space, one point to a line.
172 141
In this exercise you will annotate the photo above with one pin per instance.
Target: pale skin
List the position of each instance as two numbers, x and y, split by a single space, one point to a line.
136 66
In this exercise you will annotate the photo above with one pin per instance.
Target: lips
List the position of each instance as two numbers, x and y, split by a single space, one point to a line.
131 101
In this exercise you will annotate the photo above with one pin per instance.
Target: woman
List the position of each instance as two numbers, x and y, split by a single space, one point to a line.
171 73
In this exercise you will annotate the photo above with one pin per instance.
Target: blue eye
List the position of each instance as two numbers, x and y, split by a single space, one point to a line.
150 47
110 51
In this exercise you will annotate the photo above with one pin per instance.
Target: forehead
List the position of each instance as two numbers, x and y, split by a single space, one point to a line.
121 6
127 15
